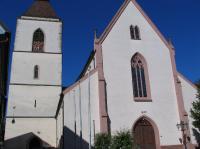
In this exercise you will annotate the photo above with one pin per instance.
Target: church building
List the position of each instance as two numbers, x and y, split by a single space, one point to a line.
130 82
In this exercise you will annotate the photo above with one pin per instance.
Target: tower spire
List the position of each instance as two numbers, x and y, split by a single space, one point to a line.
41 9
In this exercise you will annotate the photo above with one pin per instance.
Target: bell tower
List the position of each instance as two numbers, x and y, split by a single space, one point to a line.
36 74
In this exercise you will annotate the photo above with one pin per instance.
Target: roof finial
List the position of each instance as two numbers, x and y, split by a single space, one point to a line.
95 33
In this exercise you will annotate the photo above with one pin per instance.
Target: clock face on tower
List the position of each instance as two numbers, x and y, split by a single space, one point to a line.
38 41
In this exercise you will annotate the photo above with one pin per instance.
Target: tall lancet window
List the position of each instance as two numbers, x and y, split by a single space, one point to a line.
140 79
38 41
36 72
132 32
135 32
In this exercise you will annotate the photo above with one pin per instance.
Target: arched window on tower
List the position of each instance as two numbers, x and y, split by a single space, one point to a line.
135 32
36 72
38 41
140 79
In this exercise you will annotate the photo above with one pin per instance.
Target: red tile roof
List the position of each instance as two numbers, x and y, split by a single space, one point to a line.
41 9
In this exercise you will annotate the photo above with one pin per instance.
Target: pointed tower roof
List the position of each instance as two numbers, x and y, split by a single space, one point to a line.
41 9
3 28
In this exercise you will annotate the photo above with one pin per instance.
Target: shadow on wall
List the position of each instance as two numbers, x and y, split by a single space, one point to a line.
73 141
25 141
197 136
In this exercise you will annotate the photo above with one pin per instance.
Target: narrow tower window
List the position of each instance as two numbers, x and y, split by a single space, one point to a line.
36 72
141 87
35 104
38 41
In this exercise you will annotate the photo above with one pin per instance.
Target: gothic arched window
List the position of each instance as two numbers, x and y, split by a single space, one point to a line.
38 41
135 32
140 79
36 72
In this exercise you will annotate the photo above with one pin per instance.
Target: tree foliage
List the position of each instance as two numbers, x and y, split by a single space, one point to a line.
195 111
121 140
102 141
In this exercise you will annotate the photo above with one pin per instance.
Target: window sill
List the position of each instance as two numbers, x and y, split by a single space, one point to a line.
136 39
143 100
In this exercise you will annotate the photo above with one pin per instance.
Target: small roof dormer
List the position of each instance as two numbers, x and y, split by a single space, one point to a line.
41 9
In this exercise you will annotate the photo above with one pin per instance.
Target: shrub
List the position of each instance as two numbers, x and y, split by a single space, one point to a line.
122 140
102 141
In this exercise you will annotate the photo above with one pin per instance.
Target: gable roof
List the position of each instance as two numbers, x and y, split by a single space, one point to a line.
90 58
119 13
41 9
187 80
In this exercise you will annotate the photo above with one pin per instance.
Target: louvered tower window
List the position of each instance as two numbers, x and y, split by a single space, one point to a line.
38 41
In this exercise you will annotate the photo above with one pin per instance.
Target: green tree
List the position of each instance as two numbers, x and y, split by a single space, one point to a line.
195 111
102 141
122 140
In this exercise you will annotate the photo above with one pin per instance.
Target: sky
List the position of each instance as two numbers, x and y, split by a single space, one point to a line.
176 19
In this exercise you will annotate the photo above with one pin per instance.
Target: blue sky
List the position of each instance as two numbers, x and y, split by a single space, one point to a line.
176 19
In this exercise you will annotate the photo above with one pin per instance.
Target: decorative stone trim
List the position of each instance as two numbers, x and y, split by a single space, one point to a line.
104 119
172 147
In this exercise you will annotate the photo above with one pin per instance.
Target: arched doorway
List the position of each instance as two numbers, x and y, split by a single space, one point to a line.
34 143
144 135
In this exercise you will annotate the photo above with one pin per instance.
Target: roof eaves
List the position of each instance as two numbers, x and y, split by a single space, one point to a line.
113 21
91 56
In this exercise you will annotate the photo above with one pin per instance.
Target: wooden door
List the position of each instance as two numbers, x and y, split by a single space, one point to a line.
144 135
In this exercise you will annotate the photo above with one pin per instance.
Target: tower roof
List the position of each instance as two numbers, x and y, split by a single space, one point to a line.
3 29
41 9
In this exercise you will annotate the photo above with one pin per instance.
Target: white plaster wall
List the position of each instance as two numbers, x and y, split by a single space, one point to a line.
189 96
72 108
26 28
50 68
23 98
59 126
118 49
44 128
